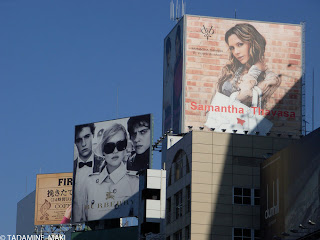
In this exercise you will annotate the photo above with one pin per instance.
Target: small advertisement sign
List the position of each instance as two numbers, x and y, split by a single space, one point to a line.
53 196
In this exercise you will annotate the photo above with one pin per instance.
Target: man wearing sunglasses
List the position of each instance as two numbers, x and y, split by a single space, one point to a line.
112 193
85 164
139 130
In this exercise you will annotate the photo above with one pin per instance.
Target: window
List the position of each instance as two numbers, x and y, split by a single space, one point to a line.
180 166
246 196
242 196
177 235
178 204
187 165
188 199
187 233
168 210
241 234
246 234
169 178
178 169
256 196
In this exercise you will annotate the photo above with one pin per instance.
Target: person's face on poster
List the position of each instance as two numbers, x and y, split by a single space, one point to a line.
141 138
114 150
239 49
84 143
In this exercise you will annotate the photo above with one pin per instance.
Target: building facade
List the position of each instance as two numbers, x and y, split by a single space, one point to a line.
213 185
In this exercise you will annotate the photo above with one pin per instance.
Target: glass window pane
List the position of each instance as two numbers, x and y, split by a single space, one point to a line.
257 192
247 200
247 233
238 191
238 200
237 232
246 192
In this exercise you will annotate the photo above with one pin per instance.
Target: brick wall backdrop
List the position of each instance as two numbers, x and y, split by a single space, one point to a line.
205 59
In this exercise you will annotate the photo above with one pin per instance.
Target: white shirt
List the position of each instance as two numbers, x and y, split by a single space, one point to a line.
112 195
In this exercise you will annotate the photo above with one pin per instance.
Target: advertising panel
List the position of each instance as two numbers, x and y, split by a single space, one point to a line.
108 156
290 195
172 80
53 196
239 75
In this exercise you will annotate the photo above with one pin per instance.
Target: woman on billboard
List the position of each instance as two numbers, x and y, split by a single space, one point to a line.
112 193
246 80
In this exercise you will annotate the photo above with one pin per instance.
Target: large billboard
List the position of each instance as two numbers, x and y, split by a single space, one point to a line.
236 75
53 197
107 158
290 189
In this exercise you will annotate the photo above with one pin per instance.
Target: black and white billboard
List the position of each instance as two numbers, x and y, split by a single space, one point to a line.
107 158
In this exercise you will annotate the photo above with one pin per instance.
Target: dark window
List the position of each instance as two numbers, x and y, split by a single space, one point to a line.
168 210
188 199
187 233
148 227
169 178
187 165
241 234
178 204
180 166
153 194
242 196
178 169
177 235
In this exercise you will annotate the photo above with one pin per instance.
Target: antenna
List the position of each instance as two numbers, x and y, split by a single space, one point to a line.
172 11
183 8
313 100
177 12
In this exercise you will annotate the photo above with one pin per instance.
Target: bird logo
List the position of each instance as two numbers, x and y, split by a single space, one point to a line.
207 32
240 121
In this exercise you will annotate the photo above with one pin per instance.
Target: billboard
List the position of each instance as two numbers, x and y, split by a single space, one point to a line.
107 158
290 183
53 196
172 79
236 75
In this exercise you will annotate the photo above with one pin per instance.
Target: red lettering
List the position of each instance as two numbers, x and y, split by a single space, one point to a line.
254 110
209 108
292 115
194 106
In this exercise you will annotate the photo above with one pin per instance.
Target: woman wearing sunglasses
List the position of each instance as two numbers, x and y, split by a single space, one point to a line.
113 192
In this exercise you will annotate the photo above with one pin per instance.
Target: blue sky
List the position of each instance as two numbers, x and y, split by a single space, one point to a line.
61 63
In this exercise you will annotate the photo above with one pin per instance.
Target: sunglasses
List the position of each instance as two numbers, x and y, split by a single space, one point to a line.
120 145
